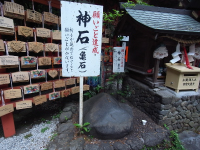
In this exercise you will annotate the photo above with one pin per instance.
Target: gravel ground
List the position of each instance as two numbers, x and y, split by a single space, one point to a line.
36 141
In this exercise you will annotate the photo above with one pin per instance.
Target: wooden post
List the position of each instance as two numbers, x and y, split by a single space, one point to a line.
156 69
81 102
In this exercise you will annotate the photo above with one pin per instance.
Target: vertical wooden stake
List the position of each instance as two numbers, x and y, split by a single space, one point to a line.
156 70
81 101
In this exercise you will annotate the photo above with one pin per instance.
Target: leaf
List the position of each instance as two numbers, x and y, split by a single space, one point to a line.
77 125
86 124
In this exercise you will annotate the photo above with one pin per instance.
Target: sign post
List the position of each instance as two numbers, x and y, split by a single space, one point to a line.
81 42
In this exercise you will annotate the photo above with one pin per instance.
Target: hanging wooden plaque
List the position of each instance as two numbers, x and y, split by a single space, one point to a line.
25 31
77 80
59 83
9 60
105 40
75 90
44 61
51 47
35 46
22 76
16 46
56 34
46 86
86 87
50 18
57 60
6 26
2 49
39 99
65 93
44 33
4 79
13 10
53 73
33 16
37 74
33 88
6 109
24 104
54 95
28 61
70 81
12 93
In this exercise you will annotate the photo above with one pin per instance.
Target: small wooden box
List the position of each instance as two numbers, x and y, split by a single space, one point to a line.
179 77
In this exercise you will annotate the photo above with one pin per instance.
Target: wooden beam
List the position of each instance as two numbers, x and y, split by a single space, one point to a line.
54 3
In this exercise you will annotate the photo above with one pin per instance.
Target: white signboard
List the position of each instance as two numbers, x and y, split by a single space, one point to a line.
118 59
81 38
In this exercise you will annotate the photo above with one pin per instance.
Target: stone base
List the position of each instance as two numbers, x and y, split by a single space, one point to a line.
179 111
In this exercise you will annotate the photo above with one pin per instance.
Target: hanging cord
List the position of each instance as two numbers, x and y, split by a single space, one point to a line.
22 91
11 84
6 46
2 99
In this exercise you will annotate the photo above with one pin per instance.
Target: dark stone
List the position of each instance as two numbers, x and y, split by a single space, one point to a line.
198 107
135 144
164 112
190 140
77 144
195 115
91 147
65 127
173 109
66 109
151 139
74 109
120 146
179 108
191 123
188 115
178 103
184 103
108 118
189 106
65 116
105 146
175 113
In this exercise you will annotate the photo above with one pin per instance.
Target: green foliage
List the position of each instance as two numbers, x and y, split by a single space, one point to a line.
44 129
176 141
111 16
119 38
28 135
166 126
48 122
66 118
57 115
53 136
108 49
132 4
83 128
91 93
43 120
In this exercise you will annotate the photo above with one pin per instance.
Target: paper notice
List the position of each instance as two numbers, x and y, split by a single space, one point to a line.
175 59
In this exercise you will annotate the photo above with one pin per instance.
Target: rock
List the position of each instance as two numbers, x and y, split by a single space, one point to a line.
108 118
65 127
91 147
74 109
135 144
198 107
191 123
190 140
66 109
105 146
65 116
52 146
189 106
77 144
152 139
120 146
184 103
164 112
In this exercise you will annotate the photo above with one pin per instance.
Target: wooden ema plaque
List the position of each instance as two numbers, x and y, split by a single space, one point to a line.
54 95
56 34
9 60
105 40
16 46
86 87
4 79
6 26
37 100
35 46
12 93
28 61
46 86
59 83
77 80
33 88
13 10
33 16
44 33
24 104
37 74
51 47
2 49
50 18
22 76
65 93
44 61
75 90
70 81
53 73
25 31
6 109
57 60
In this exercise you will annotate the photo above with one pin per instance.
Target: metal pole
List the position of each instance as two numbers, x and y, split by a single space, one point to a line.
81 101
